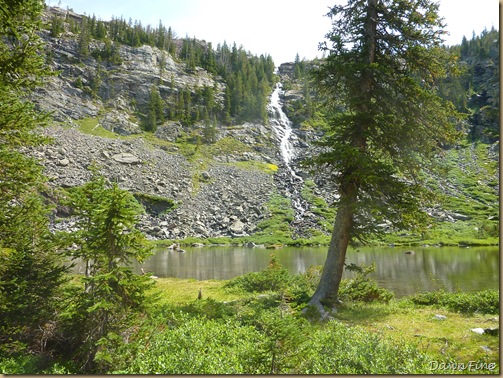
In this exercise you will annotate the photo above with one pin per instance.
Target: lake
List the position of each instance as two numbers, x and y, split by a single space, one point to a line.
430 268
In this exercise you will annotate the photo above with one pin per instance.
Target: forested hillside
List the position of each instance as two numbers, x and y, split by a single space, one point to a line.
207 107
476 91
248 78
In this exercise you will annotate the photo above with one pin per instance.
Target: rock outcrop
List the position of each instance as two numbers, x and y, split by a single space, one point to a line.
84 87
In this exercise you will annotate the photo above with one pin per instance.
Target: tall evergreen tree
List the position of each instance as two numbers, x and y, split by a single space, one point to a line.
84 38
57 26
108 243
155 110
30 270
384 59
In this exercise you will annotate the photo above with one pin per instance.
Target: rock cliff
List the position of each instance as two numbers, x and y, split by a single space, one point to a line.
187 189
224 194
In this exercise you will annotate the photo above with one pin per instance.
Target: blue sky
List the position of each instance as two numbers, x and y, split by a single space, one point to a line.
280 28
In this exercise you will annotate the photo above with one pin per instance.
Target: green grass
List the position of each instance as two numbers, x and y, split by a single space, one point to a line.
253 165
404 320
183 291
319 206
242 329
400 321
275 230
450 338
91 126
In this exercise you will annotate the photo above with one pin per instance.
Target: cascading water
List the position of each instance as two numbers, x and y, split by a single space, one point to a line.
282 127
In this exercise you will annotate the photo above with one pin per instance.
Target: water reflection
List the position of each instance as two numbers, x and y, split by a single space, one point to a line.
452 269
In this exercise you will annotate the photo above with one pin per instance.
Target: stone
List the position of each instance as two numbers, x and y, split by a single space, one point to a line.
478 331
460 217
63 162
439 317
126 158
201 229
237 227
492 331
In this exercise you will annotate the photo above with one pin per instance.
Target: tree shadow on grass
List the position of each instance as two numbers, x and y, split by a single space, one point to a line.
362 313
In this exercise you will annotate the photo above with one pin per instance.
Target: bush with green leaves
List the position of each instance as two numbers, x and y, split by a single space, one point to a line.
283 333
339 349
262 341
31 365
273 278
196 346
486 301
31 270
361 287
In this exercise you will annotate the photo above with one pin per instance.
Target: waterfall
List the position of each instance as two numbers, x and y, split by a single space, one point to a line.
282 128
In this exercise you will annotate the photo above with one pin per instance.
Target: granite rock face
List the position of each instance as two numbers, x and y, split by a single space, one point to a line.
183 197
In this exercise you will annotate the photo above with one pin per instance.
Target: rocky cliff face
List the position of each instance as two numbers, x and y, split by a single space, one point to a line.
227 197
112 92
186 189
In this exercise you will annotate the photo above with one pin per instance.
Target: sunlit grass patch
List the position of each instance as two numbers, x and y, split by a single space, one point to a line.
449 338
91 126
182 291
256 165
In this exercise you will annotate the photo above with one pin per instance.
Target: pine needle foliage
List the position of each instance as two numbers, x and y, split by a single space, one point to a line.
31 271
108 243
386 122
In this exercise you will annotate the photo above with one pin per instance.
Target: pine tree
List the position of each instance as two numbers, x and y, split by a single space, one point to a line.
210 129
384 61
108 243
155 110
57 26
31 271
84 38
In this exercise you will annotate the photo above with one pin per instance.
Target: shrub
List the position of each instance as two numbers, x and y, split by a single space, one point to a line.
19 365
197 346
283 338
486 301
210 309
274 277
339 349
362 287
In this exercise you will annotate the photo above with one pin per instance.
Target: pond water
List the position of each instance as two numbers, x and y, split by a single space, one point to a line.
432 268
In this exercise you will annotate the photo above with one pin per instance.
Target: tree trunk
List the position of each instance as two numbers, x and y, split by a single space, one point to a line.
330 280
333 268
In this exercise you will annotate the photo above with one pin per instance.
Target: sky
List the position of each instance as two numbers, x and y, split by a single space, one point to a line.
279 28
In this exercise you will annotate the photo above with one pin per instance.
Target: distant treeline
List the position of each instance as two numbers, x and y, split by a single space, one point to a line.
475 91
473 87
